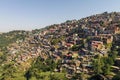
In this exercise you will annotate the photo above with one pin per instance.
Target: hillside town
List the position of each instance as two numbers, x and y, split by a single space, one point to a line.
75 43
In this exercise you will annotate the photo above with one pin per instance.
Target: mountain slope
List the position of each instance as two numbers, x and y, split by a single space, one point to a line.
76 49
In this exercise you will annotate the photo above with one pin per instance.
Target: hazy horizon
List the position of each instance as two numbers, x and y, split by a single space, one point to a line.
36 14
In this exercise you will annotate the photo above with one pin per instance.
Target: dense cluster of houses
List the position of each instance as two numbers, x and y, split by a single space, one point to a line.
74 43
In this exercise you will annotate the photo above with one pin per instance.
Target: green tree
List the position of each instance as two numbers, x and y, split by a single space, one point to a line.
106 69
97 65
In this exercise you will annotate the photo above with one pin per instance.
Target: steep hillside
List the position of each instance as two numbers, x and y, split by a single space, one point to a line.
75 49
11 37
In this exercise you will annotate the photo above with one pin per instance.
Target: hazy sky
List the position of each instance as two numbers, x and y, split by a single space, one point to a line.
32 14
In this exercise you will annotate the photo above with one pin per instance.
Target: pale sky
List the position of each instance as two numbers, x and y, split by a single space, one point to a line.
35 14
